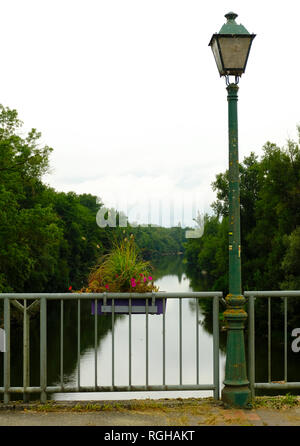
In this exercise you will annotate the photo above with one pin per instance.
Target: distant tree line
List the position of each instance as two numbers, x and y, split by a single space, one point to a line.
49 240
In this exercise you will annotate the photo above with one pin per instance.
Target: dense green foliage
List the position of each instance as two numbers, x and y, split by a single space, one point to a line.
270 224
156 240
50 240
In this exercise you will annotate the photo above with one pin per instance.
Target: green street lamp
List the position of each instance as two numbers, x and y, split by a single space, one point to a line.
231 47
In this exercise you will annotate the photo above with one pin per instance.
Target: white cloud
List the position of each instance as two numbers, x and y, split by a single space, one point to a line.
128 95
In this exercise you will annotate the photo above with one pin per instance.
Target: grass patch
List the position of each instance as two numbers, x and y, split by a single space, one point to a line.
192 406
276 402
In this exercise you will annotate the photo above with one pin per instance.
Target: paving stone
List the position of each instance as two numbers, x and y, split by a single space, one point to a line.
273 417
169 413
254 418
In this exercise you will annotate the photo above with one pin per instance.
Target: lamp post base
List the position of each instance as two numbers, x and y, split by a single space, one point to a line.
236 392
239 397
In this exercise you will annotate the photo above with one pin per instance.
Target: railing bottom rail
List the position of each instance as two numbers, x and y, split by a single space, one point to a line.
277 386
153 388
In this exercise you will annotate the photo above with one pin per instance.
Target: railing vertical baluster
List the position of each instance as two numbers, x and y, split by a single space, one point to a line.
180 341
197 341
251 344
269 340
43 349
164 341
7 350
96 341
26 350
62 343
285 339
129 341
78 345
147 344
216 347
113 343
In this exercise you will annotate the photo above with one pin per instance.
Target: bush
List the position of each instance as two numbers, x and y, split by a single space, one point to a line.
121 270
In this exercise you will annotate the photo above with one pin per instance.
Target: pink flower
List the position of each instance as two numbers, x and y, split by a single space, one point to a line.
150 278
133 284
107 287
145 280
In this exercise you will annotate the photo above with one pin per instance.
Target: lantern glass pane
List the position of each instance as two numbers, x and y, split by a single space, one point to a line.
234 51
215 50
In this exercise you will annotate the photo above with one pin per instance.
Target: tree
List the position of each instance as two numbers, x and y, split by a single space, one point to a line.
29 231
270 203
291 261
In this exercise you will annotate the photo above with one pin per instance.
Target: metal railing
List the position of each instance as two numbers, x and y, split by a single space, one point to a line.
40 301
284 384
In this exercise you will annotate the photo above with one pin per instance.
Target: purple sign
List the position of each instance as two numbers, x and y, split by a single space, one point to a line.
138 306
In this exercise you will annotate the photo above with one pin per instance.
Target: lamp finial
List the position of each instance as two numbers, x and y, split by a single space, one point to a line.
231 16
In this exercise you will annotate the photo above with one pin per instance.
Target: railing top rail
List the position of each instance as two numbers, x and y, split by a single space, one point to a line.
282 293
159 294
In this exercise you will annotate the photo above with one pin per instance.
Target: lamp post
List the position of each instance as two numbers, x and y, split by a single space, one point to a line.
231 47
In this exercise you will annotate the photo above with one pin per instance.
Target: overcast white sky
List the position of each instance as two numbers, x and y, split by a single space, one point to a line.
128 94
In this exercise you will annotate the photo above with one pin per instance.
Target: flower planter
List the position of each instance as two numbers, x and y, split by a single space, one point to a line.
121 306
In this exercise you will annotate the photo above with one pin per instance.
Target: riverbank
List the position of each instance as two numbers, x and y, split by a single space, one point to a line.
266 411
